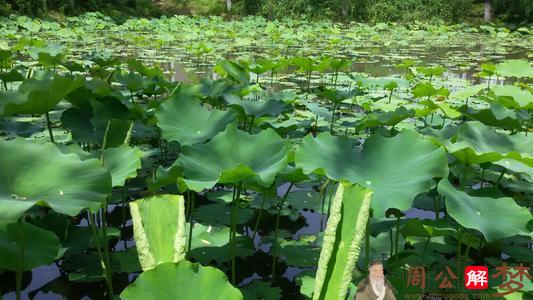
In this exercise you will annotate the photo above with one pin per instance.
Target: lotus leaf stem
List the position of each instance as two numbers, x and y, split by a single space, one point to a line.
49 125
256 227
19 272
192 197
276 231
101 256
233 229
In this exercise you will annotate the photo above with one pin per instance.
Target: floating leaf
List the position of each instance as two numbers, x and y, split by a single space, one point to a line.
258 289
211 244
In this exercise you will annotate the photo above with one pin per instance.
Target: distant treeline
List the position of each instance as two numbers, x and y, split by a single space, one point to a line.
517 11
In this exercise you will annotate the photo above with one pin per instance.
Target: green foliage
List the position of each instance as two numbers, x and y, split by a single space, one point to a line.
514 10
356 10
73 7
279 9
412 10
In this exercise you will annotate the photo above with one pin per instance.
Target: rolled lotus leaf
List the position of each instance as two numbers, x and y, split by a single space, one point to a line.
159 229
343 239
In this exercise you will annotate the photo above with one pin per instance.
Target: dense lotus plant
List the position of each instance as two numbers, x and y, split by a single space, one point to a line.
280 163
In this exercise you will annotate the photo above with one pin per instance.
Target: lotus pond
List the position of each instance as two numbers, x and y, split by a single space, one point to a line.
197 158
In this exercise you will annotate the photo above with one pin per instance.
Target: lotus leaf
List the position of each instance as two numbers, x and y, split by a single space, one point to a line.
270 107
183 280
41 247
515 68
185 120
39 174
36 96
476 143
233 156
396 169
484 213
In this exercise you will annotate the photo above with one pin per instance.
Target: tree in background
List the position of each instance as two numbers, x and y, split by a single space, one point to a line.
513 10
345 10
486 11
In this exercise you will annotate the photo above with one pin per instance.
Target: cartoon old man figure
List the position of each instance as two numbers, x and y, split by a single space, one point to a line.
375 285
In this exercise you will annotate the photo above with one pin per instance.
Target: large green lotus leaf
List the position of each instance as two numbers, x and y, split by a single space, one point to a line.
381 118
476 143
89 122
496 115
41 247
307 199
39 96
40 174
426 89
11 76
522 98
133 82
184 281
343 238
159 229
319 110
396 169
122 163
233 70
260 108
233 156
485 213
117 133
515 68
183 119
469 91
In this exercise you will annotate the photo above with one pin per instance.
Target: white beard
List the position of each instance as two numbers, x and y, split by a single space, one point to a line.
378 287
